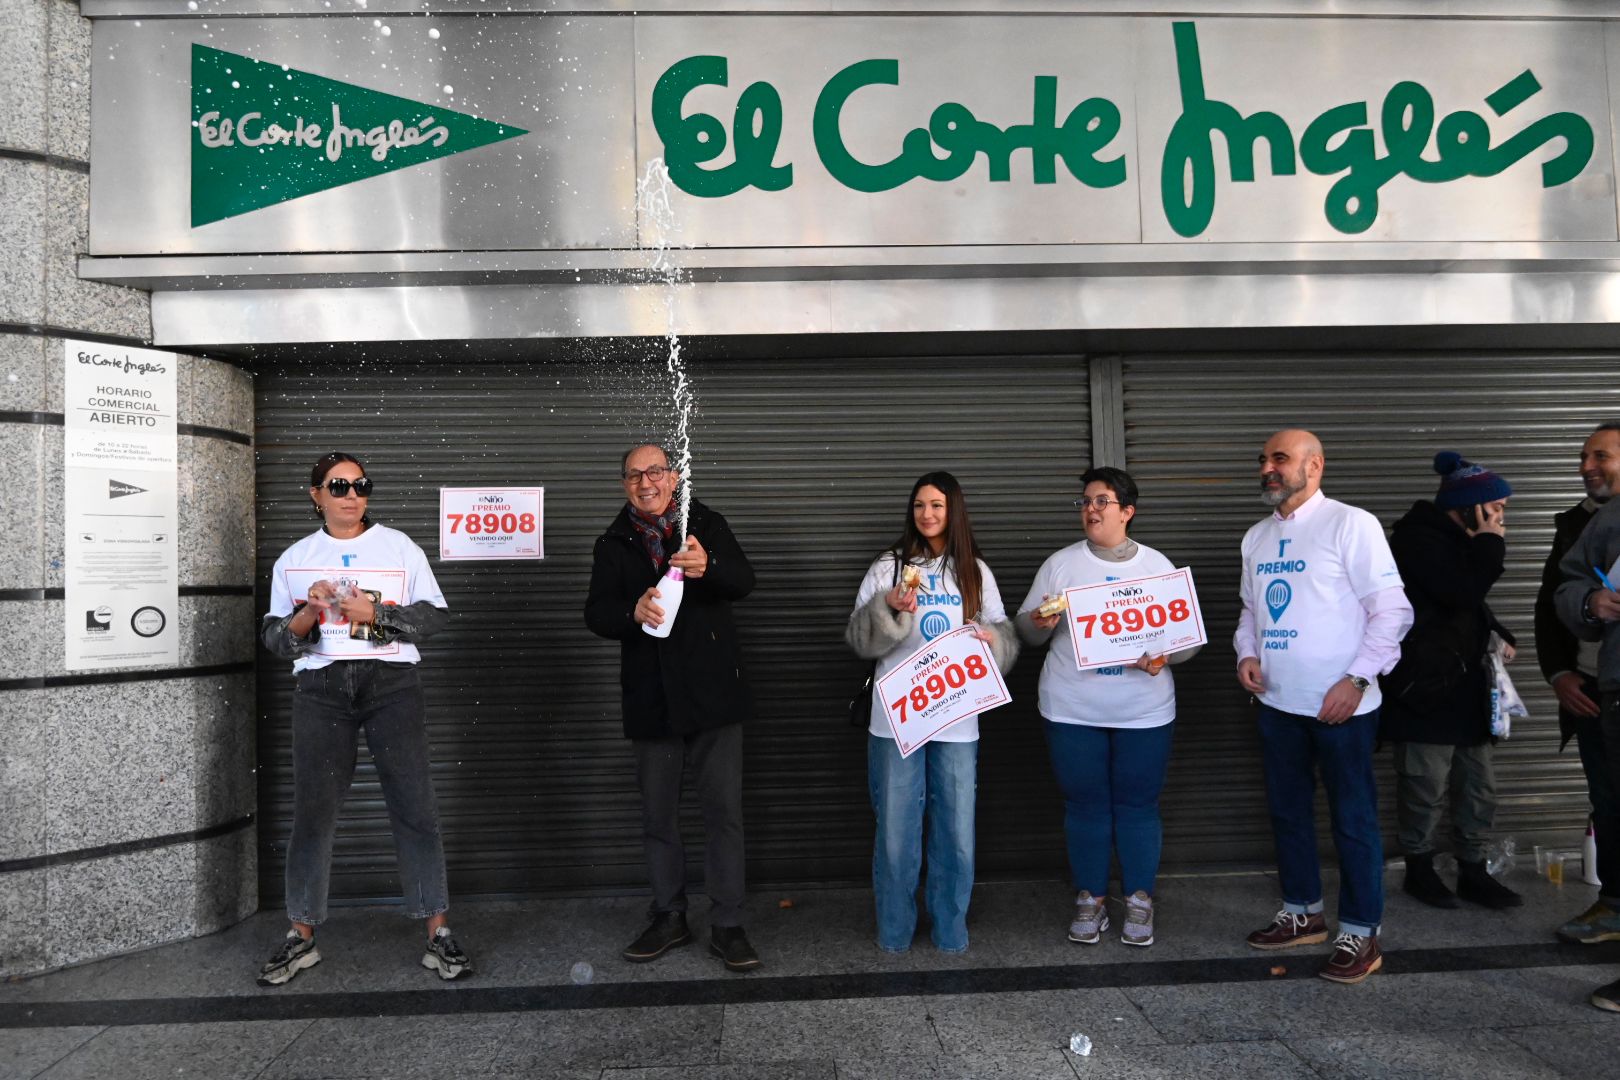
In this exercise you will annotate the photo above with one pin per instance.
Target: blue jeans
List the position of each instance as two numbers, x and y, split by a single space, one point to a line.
330 705
1111 779
1590 741
940 778
1292 749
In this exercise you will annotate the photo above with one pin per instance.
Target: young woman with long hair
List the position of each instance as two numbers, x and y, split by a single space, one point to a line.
935 785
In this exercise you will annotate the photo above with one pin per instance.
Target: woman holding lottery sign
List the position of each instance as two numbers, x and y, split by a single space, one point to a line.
930 582
1108 728
348 603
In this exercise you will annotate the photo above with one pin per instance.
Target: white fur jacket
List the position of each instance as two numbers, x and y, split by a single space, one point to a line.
875 630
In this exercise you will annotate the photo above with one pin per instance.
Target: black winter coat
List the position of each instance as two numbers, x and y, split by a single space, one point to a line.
691 680
1557 648
1439 692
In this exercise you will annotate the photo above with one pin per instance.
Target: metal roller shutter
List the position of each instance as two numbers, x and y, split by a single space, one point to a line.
1194 427
810 461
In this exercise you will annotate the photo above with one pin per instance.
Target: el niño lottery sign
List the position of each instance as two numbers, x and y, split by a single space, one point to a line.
491 523
948 680
1118 621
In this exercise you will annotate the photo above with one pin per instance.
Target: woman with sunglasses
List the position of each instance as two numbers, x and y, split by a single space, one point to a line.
1108 729
348 603
893 619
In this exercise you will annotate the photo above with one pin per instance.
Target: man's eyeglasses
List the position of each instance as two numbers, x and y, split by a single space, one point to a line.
1099 502
655 474
339 487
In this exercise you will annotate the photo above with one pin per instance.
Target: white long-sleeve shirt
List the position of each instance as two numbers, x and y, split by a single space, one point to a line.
1322 599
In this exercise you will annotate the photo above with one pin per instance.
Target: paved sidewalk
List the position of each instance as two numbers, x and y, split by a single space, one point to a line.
1466 994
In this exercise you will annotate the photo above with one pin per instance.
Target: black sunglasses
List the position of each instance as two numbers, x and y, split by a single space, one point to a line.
339 487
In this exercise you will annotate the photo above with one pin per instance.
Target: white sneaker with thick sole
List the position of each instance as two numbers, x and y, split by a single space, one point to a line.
445 957
295 954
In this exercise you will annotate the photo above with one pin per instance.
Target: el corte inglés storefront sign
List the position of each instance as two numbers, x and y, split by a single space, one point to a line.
814 131
1342 142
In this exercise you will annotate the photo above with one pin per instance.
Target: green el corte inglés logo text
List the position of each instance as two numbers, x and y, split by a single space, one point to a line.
1339 143
265 133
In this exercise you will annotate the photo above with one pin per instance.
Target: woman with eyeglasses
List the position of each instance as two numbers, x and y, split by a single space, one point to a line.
896 613
1107 729
348 603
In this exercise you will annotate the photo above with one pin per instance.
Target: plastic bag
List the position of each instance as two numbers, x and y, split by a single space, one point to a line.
1500 857
1505 700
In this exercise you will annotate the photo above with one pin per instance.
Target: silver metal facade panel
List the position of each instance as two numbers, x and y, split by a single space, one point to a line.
226 320
995 130
1472 9
810 460
1194 428
569 183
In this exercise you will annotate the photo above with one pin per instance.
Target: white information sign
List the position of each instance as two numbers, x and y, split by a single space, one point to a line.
1115 622
951 678
492 523
338 638
121 568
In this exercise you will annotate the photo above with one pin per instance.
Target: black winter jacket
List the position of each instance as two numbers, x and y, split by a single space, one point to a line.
1557 648
1439 692
692 680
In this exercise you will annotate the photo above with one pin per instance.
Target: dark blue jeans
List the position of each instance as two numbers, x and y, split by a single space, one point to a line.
1590 740
330 706
1293 748
1111 779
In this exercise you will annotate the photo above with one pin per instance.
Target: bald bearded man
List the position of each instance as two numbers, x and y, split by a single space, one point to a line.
1323 616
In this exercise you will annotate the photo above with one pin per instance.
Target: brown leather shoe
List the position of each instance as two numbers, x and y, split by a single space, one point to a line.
1354 958
1288 930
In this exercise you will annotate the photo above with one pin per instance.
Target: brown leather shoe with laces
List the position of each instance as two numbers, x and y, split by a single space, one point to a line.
1354 958
1288 930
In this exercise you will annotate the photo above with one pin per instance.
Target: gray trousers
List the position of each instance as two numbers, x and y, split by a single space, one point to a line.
715 757
330 706
1432 778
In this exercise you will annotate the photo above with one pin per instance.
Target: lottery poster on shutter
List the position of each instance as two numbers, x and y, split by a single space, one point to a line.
950 679
1117 621
491 523
337 633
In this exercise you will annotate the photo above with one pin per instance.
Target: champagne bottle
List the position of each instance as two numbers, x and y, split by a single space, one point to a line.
670 589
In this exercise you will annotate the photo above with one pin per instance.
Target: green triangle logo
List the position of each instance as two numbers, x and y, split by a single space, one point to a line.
263 133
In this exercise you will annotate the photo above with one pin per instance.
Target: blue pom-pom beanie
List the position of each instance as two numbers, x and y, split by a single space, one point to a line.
1462 483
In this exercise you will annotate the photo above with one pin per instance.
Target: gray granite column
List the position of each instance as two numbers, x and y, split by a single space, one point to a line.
126 803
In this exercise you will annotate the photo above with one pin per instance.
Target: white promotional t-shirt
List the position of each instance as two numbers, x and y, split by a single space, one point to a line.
1117 697
939 611
380 560
1304 579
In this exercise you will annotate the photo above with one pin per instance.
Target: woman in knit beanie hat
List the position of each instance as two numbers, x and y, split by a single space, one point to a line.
1436 707
1464 484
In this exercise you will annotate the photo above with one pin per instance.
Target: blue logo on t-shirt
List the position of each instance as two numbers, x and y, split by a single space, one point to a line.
1278 594
934 624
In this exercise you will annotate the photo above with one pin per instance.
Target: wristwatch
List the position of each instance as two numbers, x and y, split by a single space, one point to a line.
1358 682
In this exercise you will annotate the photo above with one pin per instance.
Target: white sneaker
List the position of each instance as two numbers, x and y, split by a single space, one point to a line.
1090 919
445 957
295 954
1138 928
